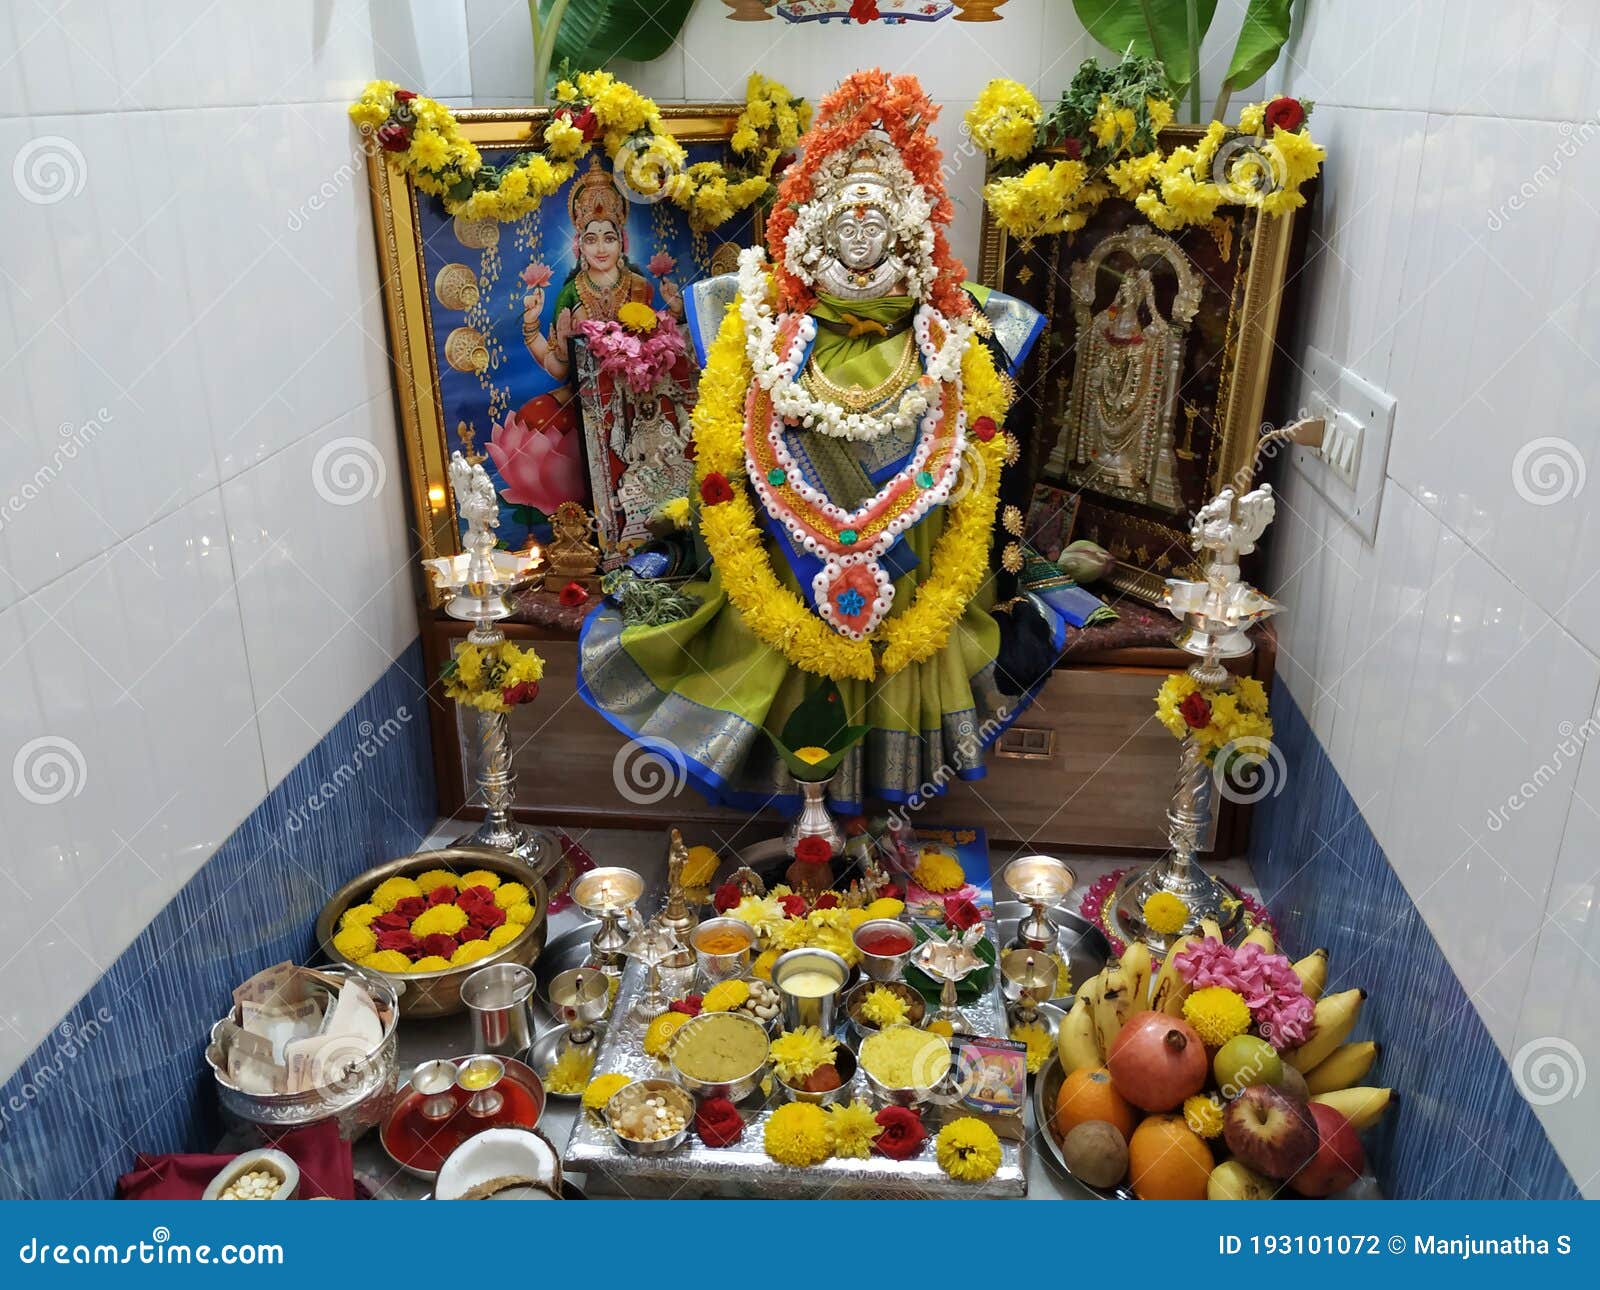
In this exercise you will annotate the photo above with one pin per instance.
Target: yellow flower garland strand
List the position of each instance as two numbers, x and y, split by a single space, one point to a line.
777 616
422 138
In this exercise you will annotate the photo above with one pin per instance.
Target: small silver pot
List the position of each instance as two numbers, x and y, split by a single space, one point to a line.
723 967
884 967
637 1091
806 1009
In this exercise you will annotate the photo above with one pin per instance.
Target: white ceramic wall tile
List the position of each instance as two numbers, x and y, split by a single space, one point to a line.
288 314
1064 46
326 575
500 55
1364 53
424 43
1556 1050
138 741
13 99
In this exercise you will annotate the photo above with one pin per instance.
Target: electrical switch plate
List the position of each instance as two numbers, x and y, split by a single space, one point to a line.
1349 468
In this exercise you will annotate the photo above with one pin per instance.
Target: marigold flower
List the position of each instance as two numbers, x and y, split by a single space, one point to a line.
968 1149
1217 1014
799 1134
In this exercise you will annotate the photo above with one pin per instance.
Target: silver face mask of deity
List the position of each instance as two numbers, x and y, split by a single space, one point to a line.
862 262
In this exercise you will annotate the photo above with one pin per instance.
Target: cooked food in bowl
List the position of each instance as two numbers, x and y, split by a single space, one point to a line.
719 1047
902 1057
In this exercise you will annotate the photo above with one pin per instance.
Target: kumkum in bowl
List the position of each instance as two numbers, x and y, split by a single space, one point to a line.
720 1054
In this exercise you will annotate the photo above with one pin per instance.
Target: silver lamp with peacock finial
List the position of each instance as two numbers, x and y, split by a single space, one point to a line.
477 582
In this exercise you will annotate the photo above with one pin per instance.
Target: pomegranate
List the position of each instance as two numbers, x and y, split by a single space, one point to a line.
1157 1060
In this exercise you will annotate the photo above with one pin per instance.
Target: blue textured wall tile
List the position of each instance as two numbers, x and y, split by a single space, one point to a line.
125 1070
1461 1129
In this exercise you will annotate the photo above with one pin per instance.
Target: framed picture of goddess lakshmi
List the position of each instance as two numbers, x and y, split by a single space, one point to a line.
482 316
1147 389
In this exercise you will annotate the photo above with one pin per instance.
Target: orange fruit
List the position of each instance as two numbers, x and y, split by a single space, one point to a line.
1167 1160
1088 1094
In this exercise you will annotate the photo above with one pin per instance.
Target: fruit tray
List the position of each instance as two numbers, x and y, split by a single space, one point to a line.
696 1170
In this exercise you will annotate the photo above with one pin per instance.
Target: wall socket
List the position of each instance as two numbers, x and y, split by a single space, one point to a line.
1349 468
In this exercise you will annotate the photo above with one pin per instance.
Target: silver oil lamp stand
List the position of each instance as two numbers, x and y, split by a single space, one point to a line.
1217 613
477 582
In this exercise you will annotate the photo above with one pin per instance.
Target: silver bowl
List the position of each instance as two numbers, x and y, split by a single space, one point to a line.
844 1062
883 967
861 1026
357 1104
736 1089
629 1094
722 967
914 1095
438 994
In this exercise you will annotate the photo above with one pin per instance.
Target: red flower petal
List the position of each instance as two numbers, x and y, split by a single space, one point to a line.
409 908
813 850
984 428
440 944
828 900
715 489
794 905
573 594
726 897
718 1122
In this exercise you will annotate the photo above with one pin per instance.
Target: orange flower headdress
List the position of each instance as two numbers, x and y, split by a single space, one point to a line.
894 108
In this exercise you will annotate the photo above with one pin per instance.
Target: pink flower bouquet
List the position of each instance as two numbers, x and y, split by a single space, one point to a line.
1266 982
643 362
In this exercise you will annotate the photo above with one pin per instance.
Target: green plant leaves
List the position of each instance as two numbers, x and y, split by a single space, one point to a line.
1261 39
1152 28
593 32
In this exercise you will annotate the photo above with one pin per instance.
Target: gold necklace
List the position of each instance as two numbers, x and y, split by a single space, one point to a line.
599 302
854 398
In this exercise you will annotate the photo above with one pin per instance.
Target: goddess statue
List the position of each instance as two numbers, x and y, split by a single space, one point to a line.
848 450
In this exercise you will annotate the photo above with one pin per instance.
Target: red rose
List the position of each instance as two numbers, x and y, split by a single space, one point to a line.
715 489
583 121
394 138
794 904
1283 113
573 594
960 913
902 1135
521 692
473 932
393 921
440 944
828 900
718 1122
813 850
405 942
689 1005
405 96
889 891
1196 711
475 896
443 894
864 10
491 917
409 908
1072 147
726 897
984 428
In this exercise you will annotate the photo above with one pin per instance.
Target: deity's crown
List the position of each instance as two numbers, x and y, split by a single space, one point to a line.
594 195
866 182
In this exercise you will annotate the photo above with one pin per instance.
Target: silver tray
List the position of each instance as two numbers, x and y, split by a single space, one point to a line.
1046 1088
1079 941
697 1170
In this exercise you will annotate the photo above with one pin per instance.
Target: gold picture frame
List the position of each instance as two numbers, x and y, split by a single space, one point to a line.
1152 545
409 288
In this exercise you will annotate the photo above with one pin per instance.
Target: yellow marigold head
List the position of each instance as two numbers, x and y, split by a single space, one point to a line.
637 317
1041 1047
387 961
938 872
355 943
762 967
658 1035
854 1127
799 1134
1217 1014
448 919
1203 1114
508 894
359 916
796 1053
968 1149
520 914
1165 914
602 1088
437 878
886 907
431 963
725 996
471 952
503 935
480 878
391 891
570 1072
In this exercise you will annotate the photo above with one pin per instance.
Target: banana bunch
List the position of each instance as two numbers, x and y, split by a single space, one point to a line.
1332 1068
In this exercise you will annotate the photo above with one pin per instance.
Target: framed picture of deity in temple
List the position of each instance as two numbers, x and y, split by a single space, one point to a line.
1147 389
483 313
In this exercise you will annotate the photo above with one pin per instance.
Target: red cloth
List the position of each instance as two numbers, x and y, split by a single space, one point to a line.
322 1155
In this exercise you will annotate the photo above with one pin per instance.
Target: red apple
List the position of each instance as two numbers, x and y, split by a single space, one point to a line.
1157 1060
1269 1131
1338 1160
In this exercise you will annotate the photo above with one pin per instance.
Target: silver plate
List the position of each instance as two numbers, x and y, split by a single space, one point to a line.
1079 941
548 1044
701 1171
1046 1088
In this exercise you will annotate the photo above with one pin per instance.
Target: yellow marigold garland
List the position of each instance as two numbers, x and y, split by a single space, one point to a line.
776 615
422 138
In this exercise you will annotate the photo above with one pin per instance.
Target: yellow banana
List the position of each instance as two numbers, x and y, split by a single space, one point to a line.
1113 1007
1210 928
1261 935
1335 1018
1363 1106
1170 989
1136 964
1345 1066
1089 996
1076 1041
1313 973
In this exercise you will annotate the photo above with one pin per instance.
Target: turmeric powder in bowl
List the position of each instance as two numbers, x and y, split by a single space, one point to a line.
721 940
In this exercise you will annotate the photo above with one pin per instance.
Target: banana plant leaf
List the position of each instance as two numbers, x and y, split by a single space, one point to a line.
1261 39
593 32
1151 28
819 722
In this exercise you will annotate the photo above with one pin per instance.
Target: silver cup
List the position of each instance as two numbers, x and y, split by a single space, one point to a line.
722 967
499 1001
809 1009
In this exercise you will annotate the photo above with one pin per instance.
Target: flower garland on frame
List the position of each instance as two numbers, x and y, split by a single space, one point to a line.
778 617
423 139
1108 122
